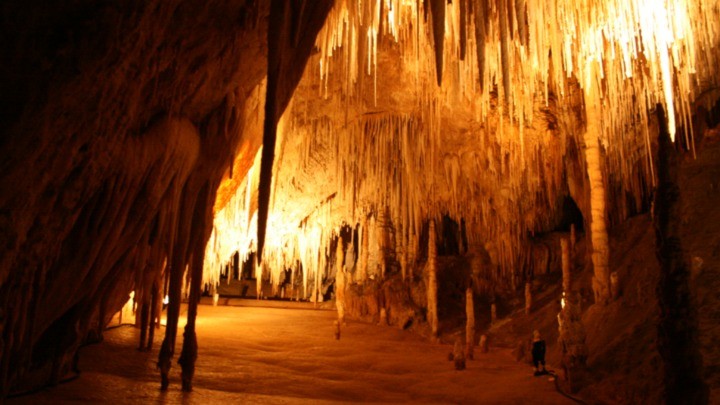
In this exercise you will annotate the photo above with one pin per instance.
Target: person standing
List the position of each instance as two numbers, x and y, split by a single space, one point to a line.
538 353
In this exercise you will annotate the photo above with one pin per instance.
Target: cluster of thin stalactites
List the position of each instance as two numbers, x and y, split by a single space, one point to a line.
503 62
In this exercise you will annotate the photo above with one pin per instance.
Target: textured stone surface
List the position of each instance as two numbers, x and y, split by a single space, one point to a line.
116 116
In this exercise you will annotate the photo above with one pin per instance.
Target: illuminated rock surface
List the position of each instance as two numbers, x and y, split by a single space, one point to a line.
132 160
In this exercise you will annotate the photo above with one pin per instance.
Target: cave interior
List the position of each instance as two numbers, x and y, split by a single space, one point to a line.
463 169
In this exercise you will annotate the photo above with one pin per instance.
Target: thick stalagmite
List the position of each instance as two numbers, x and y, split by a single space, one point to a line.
432 284
566 260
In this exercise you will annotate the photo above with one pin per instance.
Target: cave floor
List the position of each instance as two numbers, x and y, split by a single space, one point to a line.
270 355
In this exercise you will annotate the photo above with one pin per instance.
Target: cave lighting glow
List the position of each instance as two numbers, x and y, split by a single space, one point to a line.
626 56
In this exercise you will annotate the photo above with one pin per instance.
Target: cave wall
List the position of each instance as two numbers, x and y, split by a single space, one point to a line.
116 116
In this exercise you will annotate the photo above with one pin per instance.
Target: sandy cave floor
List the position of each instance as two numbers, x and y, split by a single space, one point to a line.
269 355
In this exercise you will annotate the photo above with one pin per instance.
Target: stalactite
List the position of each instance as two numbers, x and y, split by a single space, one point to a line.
432 286
284 53
480 35
505 50
389 173
437 9
464 16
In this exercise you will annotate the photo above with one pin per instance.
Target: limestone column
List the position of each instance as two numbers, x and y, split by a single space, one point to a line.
599 245
432 281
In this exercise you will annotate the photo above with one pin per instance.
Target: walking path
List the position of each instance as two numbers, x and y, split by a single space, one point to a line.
286 356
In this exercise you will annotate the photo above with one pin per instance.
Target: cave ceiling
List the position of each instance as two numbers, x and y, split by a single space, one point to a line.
399 119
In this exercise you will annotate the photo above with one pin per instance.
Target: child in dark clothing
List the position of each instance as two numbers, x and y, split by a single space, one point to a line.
538 353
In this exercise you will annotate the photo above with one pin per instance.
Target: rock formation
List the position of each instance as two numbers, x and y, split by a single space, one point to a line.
152 146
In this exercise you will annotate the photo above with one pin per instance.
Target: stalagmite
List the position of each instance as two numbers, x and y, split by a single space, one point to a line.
432 314
459 354
598 227
484 348
364 251
493 313
470 323
340 283
258 280
566 277
528 298
144 324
